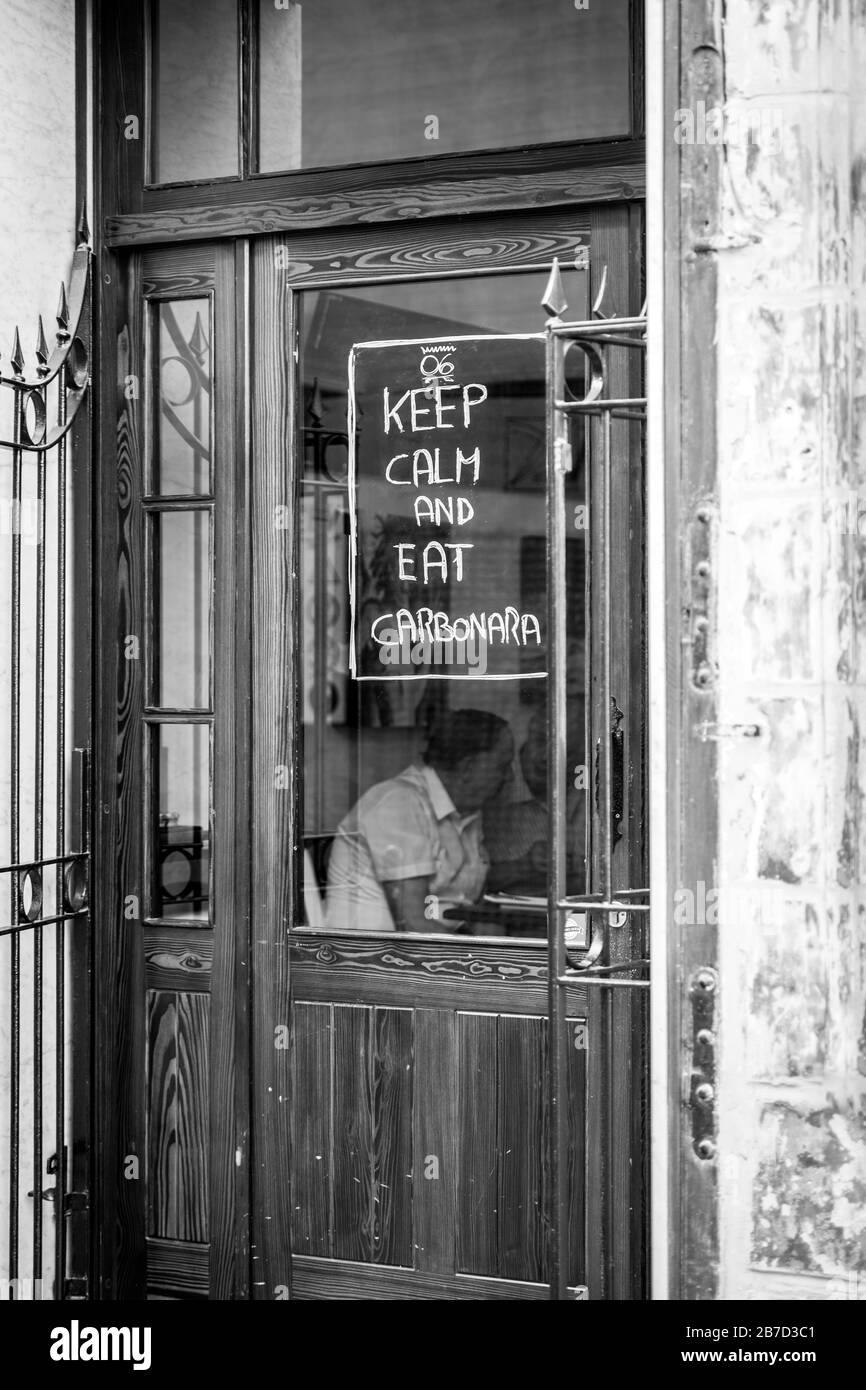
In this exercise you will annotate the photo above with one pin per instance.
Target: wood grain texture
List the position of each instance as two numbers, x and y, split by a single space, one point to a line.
224 1093
176 958
392 1175
598 172
338 1280
577 1148
419 972
118 959
273 623
435 1116
522 1136
177 1169
162 1113
352 1133
178 1267
312 1074
477 1167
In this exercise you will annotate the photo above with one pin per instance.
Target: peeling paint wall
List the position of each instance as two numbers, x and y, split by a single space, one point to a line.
792 651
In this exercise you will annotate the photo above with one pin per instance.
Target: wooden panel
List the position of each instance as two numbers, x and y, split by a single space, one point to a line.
119 1051
598 173
177 958
227 1087
331 1280
477 1195
352 1172
576 1071
521 1148
177 1267
194 1053
177 1177
272 605
312 1064
391 1056
162 1106
435 1113
411 971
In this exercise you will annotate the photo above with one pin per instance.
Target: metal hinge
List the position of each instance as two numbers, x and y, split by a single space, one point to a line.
77 1201
75 1288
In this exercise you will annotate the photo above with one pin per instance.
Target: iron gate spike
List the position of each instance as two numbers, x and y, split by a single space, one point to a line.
597 311
17 358
41 349
553 299
62 314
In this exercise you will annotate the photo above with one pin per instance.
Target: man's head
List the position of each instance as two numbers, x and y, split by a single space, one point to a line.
533 752
473 753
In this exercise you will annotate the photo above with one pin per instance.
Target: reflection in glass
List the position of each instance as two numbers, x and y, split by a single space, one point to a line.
195 90
373 809
181 576
184 382
457 75
181 771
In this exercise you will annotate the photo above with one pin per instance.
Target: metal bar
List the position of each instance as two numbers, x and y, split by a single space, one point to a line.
43 863
599 407
38 806
60 845
602 982
593 905
14 771
54 435
604 331
20 927
607 782
636 964
556 432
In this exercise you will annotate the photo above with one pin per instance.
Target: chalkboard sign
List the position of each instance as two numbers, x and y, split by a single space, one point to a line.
442 437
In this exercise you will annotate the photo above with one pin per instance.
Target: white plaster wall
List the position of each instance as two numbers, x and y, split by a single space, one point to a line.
37 235
792 655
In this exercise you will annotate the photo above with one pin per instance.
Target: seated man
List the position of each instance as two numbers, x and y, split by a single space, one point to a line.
412 846
516 832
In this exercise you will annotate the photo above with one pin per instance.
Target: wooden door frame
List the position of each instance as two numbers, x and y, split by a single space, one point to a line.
684 64
121 971
615 243
513 184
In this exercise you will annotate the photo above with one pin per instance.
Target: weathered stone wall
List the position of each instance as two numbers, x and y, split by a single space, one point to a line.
792 651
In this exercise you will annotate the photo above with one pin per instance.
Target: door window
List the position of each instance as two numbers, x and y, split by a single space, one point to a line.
461 75
424 776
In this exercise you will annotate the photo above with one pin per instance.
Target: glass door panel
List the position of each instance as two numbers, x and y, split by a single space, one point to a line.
425 797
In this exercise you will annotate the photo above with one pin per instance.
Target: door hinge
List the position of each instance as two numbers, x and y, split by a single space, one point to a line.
700 587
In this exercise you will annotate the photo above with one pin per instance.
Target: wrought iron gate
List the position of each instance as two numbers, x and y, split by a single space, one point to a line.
44 856
601 938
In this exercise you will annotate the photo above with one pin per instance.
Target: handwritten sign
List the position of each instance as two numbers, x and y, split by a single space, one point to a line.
435 431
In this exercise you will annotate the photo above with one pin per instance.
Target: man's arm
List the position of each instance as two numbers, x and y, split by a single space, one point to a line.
407 899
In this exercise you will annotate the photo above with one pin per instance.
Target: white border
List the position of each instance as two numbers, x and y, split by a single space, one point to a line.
353 522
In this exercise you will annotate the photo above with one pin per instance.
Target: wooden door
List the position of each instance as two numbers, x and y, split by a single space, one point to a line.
418 1066
171 705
